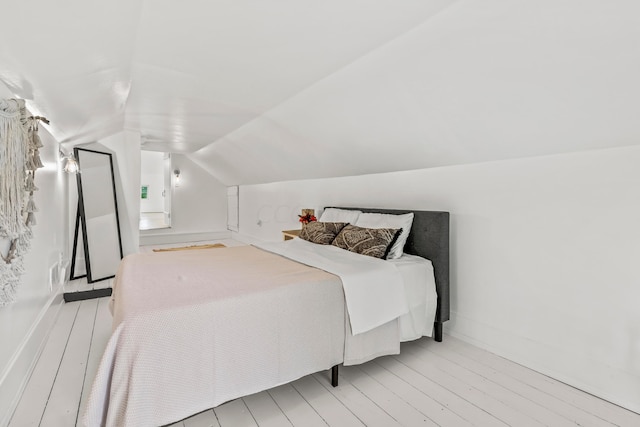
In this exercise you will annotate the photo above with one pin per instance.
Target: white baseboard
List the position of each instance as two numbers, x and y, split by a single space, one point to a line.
163 238
18 371
586 374
245 239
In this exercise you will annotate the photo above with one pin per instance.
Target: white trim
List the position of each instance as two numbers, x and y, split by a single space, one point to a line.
16 375
245 239
162 238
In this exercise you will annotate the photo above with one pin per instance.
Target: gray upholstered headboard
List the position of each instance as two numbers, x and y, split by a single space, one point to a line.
429 239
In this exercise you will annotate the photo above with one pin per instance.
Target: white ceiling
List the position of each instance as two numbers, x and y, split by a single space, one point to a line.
278 90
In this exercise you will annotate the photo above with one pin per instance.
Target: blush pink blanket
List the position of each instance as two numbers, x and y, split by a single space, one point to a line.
195 329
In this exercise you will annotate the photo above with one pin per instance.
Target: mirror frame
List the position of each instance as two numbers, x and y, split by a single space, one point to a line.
81 221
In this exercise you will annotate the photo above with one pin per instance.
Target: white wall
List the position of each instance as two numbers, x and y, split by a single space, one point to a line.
198 204
544 254
126 147
20 331
152 175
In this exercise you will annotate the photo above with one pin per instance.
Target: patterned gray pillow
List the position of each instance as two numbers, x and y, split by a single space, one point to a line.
321 233
375 242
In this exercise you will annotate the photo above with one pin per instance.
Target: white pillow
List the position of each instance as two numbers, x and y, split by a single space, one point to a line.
377 220
340 215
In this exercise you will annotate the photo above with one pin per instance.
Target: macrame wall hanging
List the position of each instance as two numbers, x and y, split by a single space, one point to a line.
19 160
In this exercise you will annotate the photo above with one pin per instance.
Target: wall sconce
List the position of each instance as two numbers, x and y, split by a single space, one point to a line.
70 163
176 172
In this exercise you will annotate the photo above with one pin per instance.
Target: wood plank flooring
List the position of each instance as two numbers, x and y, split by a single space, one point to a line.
429 384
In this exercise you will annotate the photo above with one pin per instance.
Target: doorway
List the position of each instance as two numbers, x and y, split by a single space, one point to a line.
155 190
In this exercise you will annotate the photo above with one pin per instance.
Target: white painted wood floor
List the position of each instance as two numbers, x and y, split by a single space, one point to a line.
434 384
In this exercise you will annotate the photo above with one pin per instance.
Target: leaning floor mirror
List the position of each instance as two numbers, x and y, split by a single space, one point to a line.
97 217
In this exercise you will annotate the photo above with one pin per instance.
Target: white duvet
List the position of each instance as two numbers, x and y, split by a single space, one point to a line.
373 288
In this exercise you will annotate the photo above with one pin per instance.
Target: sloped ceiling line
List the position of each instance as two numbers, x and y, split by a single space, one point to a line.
488 81
344 66
242 85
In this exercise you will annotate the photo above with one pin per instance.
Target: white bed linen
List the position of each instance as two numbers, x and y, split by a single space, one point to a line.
373 288
420 289
422 298
168 358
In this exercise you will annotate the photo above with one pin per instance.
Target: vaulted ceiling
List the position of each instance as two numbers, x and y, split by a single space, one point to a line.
286 89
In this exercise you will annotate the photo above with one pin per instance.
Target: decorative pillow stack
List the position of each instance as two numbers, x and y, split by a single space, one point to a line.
374 242
372 234
322 233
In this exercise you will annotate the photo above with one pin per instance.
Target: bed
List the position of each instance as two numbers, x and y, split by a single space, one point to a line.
194 329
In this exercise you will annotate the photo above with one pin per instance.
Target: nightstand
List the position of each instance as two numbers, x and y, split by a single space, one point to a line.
290 234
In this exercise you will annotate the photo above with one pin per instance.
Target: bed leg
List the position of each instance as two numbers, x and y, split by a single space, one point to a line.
437 331
334 376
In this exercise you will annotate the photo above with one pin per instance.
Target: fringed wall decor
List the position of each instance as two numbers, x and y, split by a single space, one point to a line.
19 160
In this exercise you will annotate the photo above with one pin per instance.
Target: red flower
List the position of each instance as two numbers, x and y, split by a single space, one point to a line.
306 219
